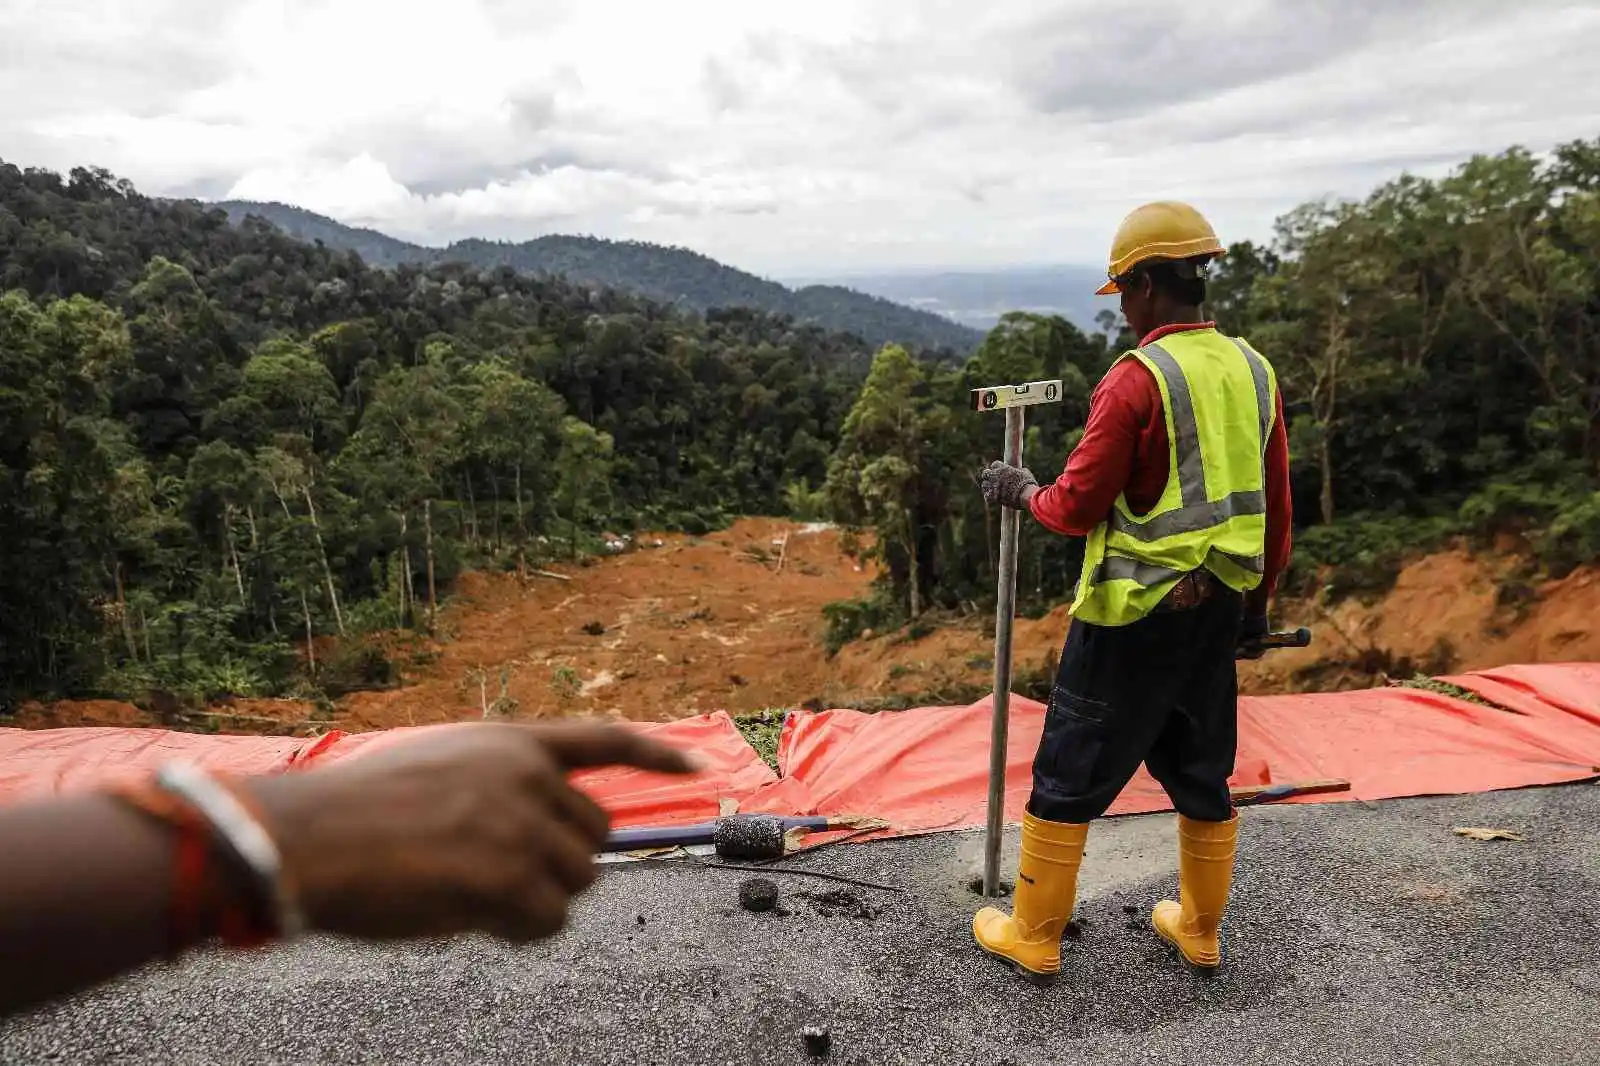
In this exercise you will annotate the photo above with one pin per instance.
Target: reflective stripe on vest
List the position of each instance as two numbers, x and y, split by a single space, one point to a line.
1121 568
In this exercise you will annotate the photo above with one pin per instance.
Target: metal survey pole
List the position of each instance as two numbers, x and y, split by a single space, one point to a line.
1012 399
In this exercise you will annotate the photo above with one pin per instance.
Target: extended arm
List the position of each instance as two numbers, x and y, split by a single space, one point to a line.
84 895
1099 468
474 827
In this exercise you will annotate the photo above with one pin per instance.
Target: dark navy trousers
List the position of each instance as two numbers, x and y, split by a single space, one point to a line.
1162 691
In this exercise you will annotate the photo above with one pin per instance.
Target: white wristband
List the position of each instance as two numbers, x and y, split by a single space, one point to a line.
243 836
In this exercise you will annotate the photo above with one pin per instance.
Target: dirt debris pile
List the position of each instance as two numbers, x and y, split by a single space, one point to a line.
694 625
1448 612
676 626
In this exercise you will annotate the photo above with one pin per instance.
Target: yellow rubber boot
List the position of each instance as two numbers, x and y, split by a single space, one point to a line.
1047 888
1205 873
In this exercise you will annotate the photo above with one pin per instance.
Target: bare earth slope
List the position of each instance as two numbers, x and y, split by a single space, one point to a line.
683 625
695 625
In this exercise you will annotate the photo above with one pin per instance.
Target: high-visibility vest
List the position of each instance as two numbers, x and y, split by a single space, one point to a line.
1219 397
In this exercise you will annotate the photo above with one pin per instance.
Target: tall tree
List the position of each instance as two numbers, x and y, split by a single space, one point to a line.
583 476
873 478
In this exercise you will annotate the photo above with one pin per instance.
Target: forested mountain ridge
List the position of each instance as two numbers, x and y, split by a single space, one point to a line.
220 445
676 276
217 441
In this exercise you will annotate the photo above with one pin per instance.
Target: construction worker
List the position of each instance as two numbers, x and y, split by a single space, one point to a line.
1181 486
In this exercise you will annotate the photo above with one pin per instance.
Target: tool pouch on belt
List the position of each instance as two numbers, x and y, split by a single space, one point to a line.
1192 589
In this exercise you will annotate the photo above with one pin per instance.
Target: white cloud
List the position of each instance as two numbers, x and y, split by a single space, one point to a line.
359 190
829 136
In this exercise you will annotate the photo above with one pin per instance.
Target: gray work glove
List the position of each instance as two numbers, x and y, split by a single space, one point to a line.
1005 484
1250 637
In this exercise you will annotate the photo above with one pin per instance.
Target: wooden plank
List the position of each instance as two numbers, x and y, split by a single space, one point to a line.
1294 788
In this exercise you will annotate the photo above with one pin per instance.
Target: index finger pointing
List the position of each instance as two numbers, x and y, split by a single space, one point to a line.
583 744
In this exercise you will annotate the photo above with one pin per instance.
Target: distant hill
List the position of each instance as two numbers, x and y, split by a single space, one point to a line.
977 298
672 275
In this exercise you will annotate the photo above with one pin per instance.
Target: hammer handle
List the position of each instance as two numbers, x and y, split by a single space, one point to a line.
660 837
688 835
1297 638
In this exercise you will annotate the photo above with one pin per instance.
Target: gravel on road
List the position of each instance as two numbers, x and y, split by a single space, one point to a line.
1358 933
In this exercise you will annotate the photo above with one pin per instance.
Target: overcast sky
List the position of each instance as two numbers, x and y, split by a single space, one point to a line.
829 136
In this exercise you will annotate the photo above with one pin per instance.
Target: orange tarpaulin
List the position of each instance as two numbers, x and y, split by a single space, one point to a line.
1562 698
927 769
35 763
921 769
1392 742
635 797
43 762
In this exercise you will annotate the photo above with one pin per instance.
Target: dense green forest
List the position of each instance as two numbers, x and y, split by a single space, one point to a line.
1438 346
675 276
220 442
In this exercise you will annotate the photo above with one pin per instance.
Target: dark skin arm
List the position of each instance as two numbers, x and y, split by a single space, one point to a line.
83 895
472 828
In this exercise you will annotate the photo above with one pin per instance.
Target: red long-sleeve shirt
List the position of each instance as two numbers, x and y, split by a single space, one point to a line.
1124 449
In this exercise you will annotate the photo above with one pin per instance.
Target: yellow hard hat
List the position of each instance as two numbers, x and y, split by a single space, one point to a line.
1165 229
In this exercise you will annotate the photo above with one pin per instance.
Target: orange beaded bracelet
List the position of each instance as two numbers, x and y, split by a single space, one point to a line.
205 902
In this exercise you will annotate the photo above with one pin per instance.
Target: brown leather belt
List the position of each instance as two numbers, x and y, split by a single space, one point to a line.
1192 589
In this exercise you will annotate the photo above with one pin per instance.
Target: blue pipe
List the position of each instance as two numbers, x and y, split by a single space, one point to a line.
684 836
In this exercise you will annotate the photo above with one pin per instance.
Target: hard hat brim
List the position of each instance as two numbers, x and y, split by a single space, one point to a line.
1111 287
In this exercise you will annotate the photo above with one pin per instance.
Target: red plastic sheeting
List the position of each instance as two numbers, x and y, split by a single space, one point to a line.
35 763
1561 700
1400 742
926 769
636 797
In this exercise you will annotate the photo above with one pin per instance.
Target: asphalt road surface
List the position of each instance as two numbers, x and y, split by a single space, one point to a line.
1358 934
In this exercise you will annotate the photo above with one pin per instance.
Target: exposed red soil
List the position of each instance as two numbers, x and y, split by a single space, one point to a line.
75 713
694 625
683 625
1448 612
1445 613
259 716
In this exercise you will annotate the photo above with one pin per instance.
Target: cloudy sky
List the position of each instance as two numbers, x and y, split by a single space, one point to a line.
829 136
